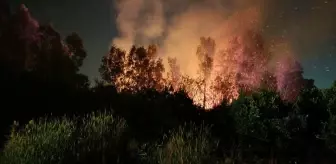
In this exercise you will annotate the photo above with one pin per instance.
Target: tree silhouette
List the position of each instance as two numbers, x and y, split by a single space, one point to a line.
113 65
17 39
36 69
174 74
27 46
330 129
205 53
289 74
312 105
76 49
139 69
262 116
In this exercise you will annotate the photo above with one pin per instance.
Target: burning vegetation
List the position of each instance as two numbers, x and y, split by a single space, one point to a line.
243 66
213 50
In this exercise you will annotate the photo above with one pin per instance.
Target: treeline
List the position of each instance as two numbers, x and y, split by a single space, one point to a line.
135 114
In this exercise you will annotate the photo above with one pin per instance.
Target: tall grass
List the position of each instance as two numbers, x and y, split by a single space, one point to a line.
99 137
189 144
93 138
39 142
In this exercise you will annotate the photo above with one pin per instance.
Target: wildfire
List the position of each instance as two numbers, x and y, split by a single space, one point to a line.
241 65
238 61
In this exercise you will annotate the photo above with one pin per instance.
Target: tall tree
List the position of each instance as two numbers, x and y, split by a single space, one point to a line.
139 69
58 59
27 46
244 62
269 81
205 53
289 75
76 49
252 58
174 74
313 106
113 65
21 34
223 87
262 117
330 129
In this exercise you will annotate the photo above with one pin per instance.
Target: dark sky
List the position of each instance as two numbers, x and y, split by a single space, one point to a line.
94 20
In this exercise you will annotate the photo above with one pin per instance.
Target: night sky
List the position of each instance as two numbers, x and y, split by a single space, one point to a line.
94 20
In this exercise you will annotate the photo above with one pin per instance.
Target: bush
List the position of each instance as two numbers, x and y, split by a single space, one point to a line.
188 144
94 139
39 142
99 137
330 133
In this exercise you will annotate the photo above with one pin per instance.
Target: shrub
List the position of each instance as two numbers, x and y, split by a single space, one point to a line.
99 137
39 142
330 133
94 139
189 144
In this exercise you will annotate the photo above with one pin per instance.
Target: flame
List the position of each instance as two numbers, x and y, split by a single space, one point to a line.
241 58
242 64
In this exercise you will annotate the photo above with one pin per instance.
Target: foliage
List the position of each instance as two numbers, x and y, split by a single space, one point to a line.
289 78
262 118
139 69
99 137
330 133
96 138
187 144
205 53
27 46
330 96
39 142
313 105
76 49
260 114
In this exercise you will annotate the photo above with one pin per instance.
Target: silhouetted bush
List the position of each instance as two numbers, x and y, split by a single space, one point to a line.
39 142
99 138
93 139
187 144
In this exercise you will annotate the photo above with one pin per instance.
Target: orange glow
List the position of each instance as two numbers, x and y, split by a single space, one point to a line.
241 58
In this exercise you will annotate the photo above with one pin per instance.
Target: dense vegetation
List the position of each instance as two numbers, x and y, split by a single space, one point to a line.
50 114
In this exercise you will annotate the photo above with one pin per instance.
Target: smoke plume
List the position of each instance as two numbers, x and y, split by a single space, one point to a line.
177 25
287 27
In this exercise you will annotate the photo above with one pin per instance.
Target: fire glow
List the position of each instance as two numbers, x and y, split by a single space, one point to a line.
242 57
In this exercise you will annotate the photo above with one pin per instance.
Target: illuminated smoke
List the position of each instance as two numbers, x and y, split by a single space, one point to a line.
244 32
289 78
139 22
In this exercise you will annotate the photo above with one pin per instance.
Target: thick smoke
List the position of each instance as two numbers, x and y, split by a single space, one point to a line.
287 27
177 25
139 22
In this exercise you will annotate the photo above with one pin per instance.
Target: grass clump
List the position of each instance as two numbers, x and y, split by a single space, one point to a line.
95 138
100 138
39 142
189 144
